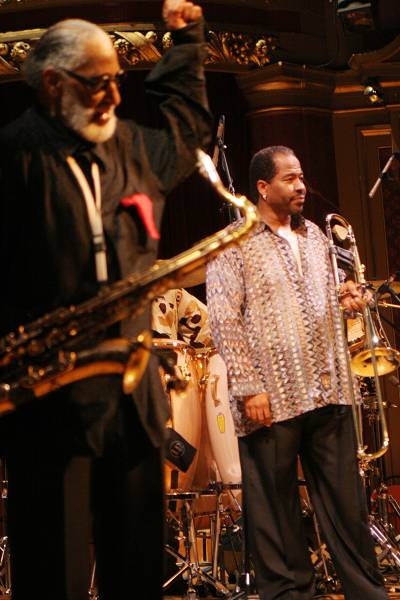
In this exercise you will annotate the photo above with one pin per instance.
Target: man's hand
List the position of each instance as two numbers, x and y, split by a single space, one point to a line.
257 408
178 13
353 298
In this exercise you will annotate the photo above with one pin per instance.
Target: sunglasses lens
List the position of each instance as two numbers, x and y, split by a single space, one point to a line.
104 82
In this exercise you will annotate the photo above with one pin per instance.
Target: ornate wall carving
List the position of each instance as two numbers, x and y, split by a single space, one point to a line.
141 49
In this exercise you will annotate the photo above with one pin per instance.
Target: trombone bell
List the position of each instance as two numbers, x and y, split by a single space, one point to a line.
387 358
386 362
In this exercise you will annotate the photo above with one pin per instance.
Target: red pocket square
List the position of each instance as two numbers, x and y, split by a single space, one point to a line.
144 207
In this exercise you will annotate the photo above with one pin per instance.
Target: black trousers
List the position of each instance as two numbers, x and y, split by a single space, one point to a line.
59 503
325 441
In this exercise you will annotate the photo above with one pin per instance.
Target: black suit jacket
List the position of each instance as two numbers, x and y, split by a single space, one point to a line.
46 253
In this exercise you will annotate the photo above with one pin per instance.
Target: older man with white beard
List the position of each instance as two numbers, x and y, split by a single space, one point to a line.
82 194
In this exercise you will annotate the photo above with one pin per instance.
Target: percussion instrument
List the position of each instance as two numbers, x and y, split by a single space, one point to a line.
221 430
185 419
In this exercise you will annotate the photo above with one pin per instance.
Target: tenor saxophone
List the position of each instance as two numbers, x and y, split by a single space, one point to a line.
62 346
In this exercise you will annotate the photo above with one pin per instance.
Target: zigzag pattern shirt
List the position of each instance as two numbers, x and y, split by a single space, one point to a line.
278 330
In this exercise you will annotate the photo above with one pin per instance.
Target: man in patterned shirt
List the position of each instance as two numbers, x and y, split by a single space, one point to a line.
275 319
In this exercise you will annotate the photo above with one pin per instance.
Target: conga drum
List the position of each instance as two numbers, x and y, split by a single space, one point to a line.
218 461
184 425
219 420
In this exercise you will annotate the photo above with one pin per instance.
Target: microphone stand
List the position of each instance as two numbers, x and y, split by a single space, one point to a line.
386 287
233 211
383 174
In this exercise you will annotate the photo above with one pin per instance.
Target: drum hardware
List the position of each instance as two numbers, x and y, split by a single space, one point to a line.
371 407
217 520
92 593
178 451
389 287
325 576
188 563
222 524
5 564
196 570
5 568
386 548
385 304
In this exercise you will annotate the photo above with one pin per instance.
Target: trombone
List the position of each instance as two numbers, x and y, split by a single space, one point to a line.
373 356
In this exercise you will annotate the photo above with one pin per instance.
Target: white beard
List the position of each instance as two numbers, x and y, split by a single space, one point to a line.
79 119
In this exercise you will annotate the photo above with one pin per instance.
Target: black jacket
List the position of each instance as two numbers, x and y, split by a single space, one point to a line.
46 254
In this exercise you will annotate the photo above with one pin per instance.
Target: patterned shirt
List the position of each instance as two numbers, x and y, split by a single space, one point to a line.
278 330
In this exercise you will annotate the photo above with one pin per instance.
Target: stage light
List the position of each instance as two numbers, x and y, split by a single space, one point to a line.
373 93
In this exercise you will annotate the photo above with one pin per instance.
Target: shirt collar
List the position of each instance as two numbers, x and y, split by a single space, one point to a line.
65 142
298 223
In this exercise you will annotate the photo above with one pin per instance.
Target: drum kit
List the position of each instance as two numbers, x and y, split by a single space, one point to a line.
202 475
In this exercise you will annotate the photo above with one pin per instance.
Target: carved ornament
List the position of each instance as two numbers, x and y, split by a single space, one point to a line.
140 49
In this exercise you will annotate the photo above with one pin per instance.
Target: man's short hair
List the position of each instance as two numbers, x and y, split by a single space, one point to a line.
262 166
61 46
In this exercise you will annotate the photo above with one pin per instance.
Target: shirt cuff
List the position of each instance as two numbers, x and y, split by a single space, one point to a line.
246 388
194 33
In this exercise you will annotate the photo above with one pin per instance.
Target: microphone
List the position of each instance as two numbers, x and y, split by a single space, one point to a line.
386 286
219 142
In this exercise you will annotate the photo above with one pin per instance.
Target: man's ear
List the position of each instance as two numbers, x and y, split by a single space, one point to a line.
262 187
52 82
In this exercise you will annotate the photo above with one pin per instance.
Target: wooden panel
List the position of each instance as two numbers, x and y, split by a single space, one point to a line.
370 141
354 179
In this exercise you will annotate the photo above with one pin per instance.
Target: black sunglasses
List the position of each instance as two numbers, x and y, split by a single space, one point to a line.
98 83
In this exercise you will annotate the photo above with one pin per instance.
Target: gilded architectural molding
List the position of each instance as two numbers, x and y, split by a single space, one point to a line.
138 49
240 49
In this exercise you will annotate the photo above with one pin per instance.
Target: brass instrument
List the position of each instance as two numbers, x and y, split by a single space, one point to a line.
62 346
372 356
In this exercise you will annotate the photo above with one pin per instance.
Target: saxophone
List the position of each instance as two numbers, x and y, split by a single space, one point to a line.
60 347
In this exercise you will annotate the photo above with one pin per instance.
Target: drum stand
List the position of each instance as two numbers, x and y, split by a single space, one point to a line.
5 571
189 561
92 593
219 488
5 565
379 500
326 582
383 532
